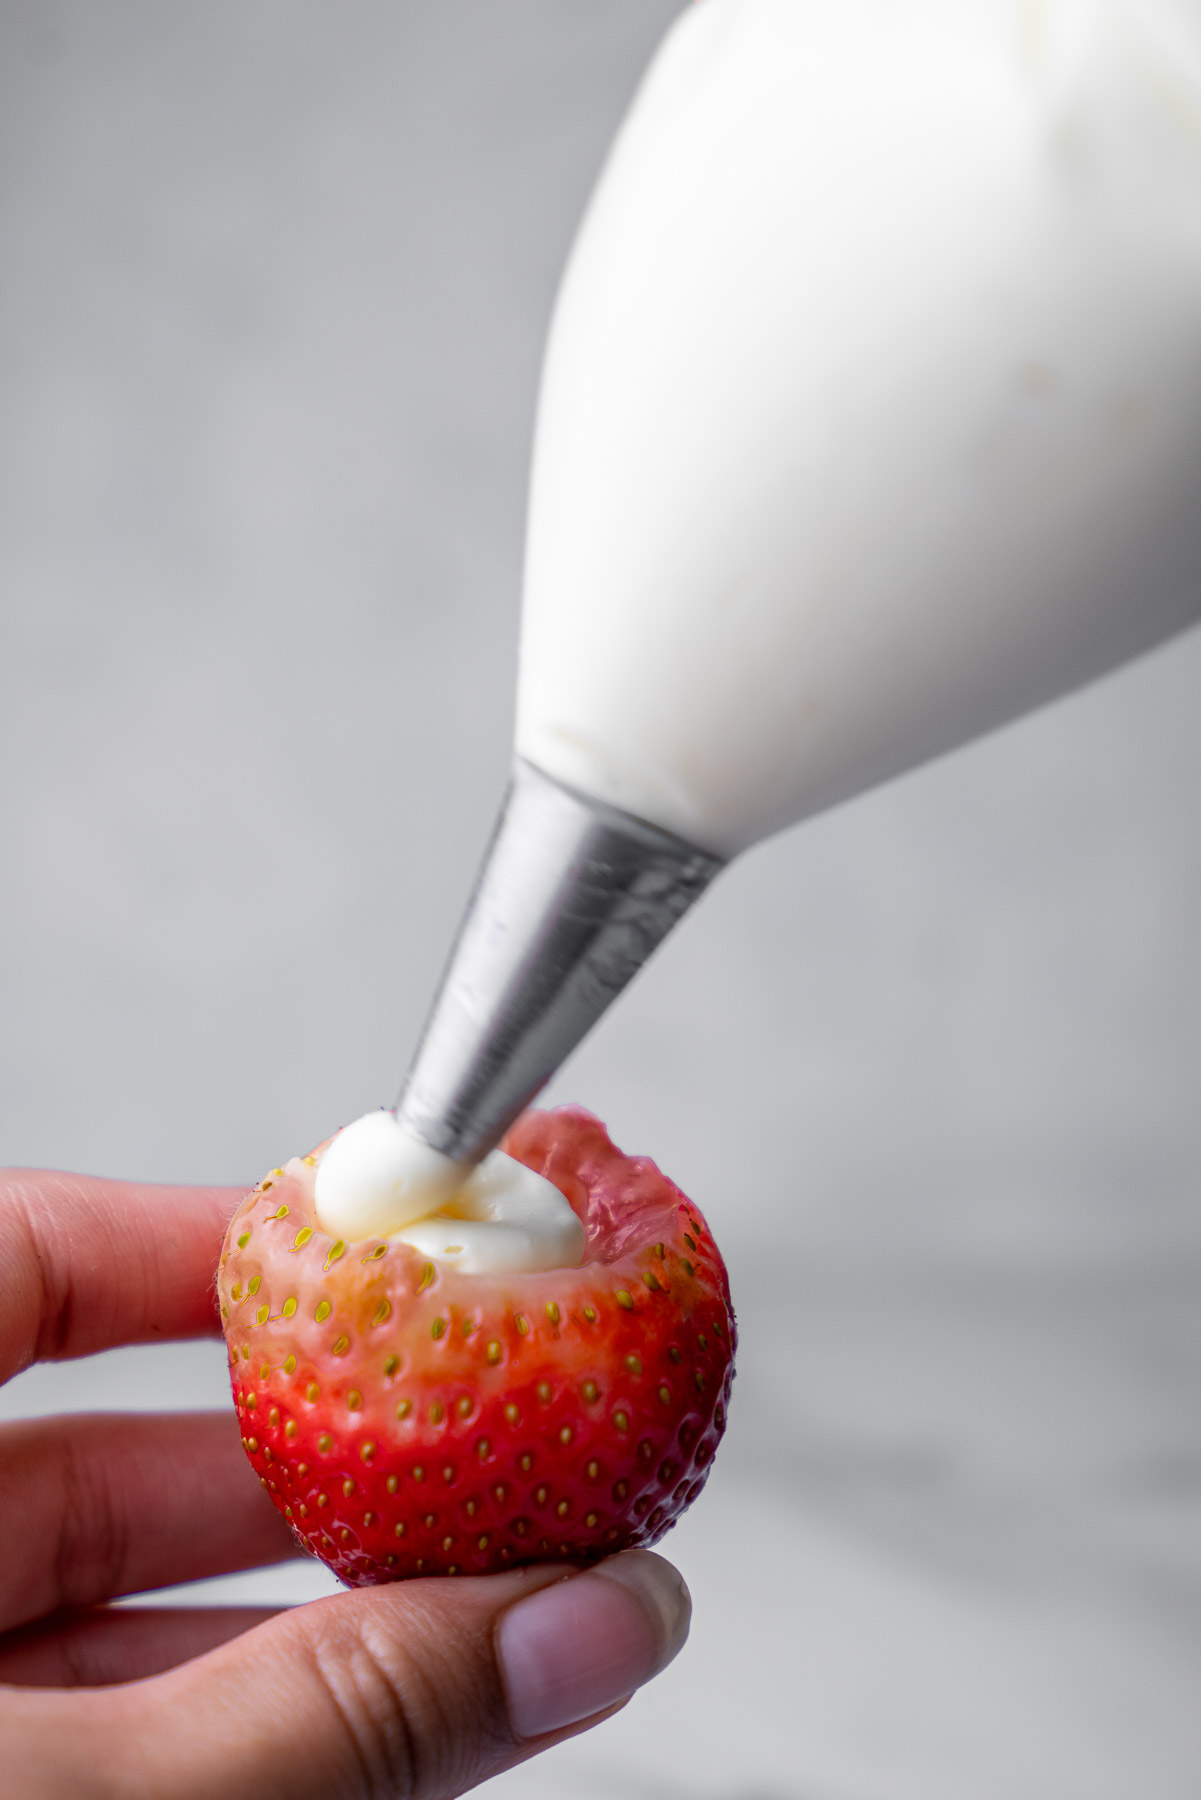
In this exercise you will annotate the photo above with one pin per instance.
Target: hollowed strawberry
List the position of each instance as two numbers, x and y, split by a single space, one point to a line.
409 1419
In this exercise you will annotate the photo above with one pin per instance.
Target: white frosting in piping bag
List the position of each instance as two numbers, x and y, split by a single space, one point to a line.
871 417
871 414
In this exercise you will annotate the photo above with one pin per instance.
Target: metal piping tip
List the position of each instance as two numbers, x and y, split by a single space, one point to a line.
572 899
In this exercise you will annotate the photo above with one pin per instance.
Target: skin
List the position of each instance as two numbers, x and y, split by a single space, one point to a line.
393 1691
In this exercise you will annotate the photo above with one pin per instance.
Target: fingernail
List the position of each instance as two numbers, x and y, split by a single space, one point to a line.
580 1646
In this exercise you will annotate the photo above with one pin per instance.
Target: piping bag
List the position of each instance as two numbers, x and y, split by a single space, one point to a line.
870 419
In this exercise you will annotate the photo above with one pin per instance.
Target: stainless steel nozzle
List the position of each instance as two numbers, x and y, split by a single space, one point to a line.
572 899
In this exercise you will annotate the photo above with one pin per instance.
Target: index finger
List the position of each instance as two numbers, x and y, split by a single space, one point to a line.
86 1264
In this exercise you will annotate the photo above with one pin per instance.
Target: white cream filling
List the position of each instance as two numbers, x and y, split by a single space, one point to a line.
504 1219
375 1180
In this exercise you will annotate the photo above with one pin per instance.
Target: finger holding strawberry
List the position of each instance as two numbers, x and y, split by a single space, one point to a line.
424 1689
410 1418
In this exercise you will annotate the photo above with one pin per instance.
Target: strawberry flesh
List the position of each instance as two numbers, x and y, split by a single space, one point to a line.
407 1419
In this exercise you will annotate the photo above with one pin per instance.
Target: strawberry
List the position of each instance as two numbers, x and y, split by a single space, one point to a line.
409 1419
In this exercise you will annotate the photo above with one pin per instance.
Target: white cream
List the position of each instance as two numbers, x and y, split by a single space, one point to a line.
375 1180
872 409
374 1177
504 1219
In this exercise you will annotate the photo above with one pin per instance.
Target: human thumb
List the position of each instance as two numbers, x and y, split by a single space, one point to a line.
419 1689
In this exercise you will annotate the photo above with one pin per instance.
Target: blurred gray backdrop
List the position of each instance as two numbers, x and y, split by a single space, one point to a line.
275 283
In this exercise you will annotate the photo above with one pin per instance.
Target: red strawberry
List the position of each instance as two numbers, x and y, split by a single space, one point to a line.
408 1419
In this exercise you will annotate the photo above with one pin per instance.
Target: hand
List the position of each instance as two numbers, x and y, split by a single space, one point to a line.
417 1689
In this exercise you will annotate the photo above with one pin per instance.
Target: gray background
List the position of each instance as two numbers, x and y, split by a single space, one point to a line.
275 282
